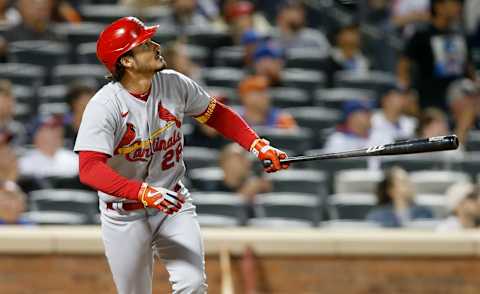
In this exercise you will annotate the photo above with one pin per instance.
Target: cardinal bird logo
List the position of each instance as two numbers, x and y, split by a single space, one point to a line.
127 138
167 116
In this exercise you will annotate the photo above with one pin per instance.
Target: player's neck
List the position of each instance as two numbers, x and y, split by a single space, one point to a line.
137 84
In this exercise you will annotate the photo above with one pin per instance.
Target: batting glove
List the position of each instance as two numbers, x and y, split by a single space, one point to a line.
163 199
268 154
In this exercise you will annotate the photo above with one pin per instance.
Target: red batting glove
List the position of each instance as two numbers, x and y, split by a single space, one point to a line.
163 199
263 151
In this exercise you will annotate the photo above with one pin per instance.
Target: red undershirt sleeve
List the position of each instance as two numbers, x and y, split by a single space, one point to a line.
227 122
94 172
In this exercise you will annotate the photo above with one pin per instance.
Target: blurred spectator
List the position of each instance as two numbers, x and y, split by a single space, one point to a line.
291 31
177 58
8 160
9 16
268 62
395 201
185 16
346 55
48 158
375 12
63 11
9 126
12 205
240 16
77 98
440 54
407 14
472 16
249 41
238 176
36 21
433 122
390 123
462 199
354 131
463 98
256 105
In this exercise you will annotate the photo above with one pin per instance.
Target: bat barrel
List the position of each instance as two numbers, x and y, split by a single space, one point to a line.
432 144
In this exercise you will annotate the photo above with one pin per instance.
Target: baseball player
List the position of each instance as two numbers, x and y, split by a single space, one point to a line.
130 148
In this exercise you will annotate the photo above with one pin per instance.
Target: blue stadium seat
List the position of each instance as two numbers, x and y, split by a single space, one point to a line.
377 81
198 54
56 218
436 181
350 206
357 180
303 79
279 223
473 141
65 200
39 52
106 13
198 157
306 58
289 97
231 56
224 204
52 93
87 53
223 76
24 74
315 117
414 162
289 205
67 73
437 203
216 221
211 39
206 178
335 97
297 140
300 181
78 33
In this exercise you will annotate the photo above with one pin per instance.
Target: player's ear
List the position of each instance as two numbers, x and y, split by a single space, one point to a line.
127 61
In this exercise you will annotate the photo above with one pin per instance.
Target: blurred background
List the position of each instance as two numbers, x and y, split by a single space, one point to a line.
311 76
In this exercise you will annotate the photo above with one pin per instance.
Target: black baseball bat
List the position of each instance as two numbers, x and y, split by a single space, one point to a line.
431 144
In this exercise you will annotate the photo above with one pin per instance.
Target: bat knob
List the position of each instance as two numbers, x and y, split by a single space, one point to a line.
266 163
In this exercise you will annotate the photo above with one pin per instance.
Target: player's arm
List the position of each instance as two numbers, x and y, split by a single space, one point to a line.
231 125
206 109
94 172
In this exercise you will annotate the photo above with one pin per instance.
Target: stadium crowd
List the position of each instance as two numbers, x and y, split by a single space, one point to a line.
311 76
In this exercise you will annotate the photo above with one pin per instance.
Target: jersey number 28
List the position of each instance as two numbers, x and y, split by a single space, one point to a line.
168 162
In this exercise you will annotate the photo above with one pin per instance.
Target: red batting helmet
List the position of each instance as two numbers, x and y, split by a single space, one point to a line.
120 37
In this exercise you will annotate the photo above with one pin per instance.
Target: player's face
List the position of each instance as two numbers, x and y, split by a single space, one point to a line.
147 57
402 186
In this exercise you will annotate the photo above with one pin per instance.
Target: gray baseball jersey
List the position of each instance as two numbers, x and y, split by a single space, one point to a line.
143 138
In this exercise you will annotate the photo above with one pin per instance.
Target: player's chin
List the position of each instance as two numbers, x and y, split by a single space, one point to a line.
161 65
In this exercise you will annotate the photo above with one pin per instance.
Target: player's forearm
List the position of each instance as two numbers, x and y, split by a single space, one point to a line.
95 173
231 125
